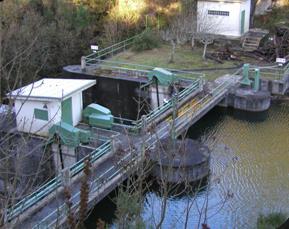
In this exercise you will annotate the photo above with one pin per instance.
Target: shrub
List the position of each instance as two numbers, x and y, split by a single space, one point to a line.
149 40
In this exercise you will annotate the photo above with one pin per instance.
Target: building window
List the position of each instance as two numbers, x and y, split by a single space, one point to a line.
41 114
218 12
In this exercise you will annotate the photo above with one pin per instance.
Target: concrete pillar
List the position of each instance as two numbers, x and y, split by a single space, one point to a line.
83 64
264 85
64 156
164 93
202 82
224 102
277 87
144 124
66 177
113 143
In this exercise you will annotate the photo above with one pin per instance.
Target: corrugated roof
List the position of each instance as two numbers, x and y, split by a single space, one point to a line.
51 89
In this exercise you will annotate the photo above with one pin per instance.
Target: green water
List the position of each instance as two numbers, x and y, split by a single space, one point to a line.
250 173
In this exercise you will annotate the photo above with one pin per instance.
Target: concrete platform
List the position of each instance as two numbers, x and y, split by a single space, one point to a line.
188 162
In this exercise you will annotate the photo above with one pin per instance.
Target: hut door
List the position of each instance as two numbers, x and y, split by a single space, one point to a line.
242 21
66 111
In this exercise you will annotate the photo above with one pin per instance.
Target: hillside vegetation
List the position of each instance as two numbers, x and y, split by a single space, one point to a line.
38 37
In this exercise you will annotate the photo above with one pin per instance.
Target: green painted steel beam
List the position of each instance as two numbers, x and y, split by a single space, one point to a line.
97 115
68 134
163 76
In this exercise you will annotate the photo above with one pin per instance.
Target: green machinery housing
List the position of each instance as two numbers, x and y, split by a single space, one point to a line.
98 116
94 115
69 135
163 76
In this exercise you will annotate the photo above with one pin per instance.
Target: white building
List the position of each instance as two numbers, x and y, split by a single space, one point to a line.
224 17
43 103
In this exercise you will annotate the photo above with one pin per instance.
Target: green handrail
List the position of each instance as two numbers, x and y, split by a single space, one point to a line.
50 221
272 72
53 184
136 126
111 49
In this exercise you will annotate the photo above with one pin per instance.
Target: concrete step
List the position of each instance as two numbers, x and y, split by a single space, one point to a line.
248 49
251 43
253 38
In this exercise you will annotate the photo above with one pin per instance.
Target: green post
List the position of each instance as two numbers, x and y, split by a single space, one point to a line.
245 80
257 80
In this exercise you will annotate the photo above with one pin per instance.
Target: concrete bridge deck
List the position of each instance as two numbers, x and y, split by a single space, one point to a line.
113 167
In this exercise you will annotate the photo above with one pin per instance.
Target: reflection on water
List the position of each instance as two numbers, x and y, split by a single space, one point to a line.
178 191
250 171
248 116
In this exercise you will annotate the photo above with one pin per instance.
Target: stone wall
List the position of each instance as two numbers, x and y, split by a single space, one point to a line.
263 5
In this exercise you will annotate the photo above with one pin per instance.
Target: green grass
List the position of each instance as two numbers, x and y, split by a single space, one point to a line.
185 58
270 221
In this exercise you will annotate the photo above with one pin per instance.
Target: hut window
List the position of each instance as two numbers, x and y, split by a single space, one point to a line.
218 12
41 114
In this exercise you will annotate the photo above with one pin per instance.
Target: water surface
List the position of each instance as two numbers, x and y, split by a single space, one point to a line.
250 172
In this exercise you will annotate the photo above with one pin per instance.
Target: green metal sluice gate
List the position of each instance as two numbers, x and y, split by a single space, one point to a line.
135 126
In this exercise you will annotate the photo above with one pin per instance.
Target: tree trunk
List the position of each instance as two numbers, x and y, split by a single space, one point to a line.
193 42
172 58
252 12
205 50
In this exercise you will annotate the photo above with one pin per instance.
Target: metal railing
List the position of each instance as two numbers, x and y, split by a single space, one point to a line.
52 219
142 69
55 183
198 107
271 72
112 172
111 50
181 95
136 126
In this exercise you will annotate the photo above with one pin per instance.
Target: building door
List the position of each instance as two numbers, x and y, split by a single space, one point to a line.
242 21
66 111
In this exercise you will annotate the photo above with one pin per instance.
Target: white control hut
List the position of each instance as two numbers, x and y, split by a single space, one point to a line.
41 104
230 18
